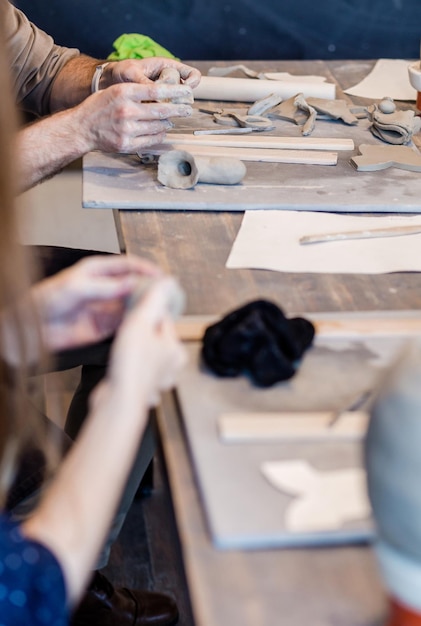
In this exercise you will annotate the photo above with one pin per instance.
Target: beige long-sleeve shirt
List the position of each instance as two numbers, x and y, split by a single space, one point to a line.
35 60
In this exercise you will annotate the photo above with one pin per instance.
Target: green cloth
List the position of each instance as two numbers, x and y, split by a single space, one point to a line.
135 46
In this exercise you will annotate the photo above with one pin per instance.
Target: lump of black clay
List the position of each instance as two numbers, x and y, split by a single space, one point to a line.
259 341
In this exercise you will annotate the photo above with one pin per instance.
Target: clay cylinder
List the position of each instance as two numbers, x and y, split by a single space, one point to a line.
220 170
177 169
181 170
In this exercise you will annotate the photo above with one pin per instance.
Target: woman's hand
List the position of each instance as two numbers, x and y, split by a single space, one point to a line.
86 302
146 354
76 511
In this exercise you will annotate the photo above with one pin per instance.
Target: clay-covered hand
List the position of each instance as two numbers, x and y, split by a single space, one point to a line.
127 116
146 354
86 302
148 70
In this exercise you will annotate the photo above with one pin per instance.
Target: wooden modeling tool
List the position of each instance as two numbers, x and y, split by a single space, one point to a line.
368 233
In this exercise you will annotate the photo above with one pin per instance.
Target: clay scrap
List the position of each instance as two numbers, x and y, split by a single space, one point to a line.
335 109
391 125
250 73
171 76
304 111
181 170
265 104
379 157
309 111
232 118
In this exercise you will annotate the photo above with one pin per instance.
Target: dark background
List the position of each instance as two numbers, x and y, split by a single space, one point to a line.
242 29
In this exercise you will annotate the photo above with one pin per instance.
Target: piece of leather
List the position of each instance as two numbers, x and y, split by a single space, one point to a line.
103 605
259 341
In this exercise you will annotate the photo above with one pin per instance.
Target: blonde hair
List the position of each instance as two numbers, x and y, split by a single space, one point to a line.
19 425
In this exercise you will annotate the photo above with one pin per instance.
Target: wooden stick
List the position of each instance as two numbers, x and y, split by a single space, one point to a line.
373 323
393 231
284 143
292 426
307 157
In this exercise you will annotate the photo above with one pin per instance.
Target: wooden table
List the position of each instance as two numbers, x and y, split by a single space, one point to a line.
195 245
317 587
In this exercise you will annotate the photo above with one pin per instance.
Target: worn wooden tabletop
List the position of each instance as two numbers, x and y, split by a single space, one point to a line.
195 245
322 587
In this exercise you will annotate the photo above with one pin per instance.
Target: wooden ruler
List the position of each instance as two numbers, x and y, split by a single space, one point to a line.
292 426
264 142
308 157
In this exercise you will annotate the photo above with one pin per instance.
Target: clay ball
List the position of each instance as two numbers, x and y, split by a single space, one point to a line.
387 105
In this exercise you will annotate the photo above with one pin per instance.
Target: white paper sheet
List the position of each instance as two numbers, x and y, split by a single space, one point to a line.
270 240
389 77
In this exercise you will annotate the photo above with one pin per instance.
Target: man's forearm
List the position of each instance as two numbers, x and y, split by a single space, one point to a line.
46 146
73 83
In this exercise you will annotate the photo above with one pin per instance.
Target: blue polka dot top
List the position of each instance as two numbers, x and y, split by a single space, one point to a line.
32 588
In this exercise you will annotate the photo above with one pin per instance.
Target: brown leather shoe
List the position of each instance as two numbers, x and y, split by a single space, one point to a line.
103 605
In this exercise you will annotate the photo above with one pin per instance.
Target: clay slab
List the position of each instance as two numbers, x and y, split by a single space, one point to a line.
120 181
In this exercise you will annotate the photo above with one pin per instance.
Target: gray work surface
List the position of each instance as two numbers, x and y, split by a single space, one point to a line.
123 182
243 510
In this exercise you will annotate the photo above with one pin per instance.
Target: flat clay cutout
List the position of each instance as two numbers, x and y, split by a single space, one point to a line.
379 157
396 127
335 109
304 111
289 111
265 104
181 170
324 500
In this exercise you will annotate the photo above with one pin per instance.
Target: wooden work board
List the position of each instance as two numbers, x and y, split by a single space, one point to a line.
122 182
243 509
341 584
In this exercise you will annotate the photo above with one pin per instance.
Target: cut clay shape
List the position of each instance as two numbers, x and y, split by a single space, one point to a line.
395 127
289 111
335 109
323 500
304 111
181 170
265 104
378 157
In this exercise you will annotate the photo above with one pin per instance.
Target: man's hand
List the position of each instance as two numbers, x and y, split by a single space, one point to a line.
145 71
128 116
